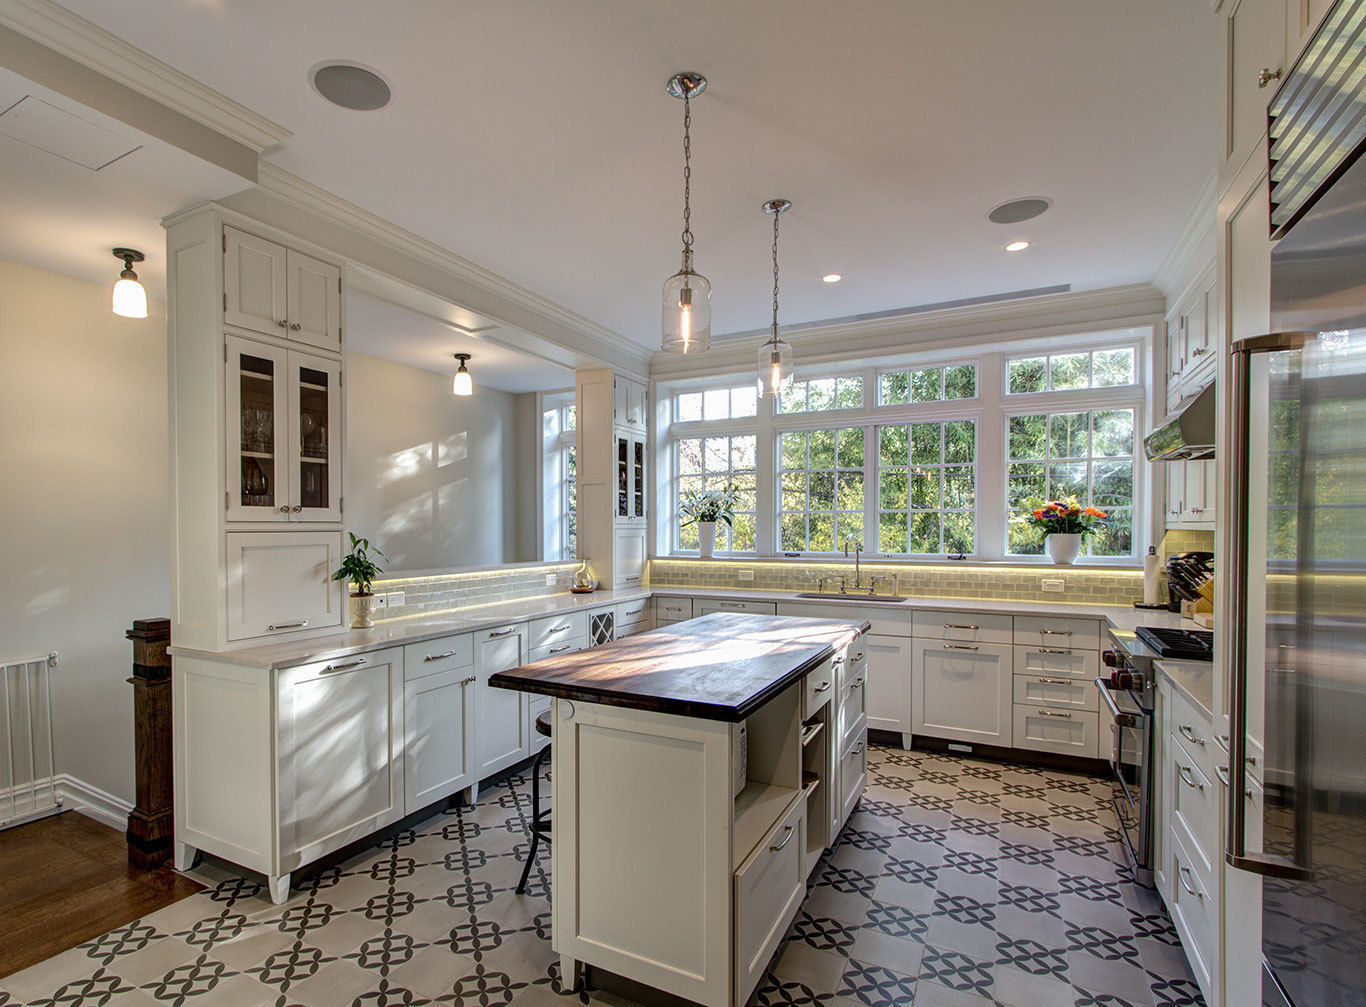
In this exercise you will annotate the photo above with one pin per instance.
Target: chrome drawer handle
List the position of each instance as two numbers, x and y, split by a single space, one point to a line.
1053 681
1189 732
858 657
824 686
1055 650
441 657
467 681
560 649
294 326
731 604
501 632
633 611
1055 632
288 625
787 838
631 580
343 667
1049 713
283 323
1222 773
558 629
960 646
1187 777
1183 872
954 625
856 683
858 750
838 661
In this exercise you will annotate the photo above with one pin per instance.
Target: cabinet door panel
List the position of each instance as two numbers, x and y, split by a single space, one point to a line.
502 714
314 301
281 582
315 423
962 694
438 718
889 683
1256 42
256 431
628 560
254 283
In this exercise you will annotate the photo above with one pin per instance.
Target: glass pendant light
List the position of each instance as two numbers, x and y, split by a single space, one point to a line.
130 300
462 383
685 325
775 356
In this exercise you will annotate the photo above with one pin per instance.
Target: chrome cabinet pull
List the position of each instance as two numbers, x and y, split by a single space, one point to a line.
560 649
856 683
954 625
288 625
1188 778
730 604
635 611
960 646
1053 681
858 750
297 507
1055 632
823 687
284 508
1222 773
1050 713
787 838
1189 732
558 629
467 681
838 661
1267 75
501 632
343 667
1183 872
440 657
1055 650
283 323
294 326
858 657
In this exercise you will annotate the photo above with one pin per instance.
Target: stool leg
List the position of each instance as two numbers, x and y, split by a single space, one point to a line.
535 814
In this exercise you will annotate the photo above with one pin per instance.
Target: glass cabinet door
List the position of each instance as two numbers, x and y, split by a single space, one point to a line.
623 476
638 477
314 414
256 405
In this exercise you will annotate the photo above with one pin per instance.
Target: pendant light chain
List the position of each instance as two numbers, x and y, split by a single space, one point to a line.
775 275
687 178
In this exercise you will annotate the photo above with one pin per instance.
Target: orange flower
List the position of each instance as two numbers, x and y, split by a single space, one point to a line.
1038 513
1094 512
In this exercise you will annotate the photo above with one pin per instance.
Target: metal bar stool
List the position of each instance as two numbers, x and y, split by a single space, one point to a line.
540 817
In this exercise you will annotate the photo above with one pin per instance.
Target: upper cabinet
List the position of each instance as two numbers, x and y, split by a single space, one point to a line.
630 462
1192 327
628 402
279 291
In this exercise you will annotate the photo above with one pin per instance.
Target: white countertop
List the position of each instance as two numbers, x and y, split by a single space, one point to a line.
1194 679
416 629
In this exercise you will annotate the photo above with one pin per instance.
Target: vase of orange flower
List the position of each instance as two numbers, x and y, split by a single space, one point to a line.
1065 525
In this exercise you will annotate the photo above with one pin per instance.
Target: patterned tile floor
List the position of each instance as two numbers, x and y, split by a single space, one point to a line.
956 884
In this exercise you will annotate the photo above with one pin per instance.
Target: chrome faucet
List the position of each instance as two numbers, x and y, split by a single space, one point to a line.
858 551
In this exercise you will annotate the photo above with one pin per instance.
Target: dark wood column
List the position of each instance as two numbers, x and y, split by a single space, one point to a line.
151 825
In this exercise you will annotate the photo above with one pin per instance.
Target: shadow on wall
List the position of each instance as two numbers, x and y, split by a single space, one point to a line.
421 490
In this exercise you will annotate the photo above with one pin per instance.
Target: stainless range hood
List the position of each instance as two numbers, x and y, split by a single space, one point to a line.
1187 433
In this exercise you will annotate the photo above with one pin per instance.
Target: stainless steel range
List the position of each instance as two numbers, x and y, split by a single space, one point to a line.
1129 694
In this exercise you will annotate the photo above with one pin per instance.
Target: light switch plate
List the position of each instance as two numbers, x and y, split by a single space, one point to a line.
395 598
1053 586
381 601
746 575
551 580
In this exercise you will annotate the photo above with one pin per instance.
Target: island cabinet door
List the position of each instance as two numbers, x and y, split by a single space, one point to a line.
888 683
340 743
962 691
503 735
768 889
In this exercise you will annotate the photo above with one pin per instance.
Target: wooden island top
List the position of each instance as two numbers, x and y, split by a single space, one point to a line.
717 667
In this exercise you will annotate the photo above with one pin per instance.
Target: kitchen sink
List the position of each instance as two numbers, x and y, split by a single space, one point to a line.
877 599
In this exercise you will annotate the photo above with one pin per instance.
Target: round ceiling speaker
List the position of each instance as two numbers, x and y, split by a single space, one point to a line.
1019 210
351 86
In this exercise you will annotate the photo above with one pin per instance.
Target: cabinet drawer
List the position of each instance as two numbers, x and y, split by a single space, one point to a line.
433 656
1192 907
1067 732
1065 693
706 606
1057 661
818 687
1193 807
557 649
672 609
1193 733
556 629
853 770
853 706
963 627
768 889
630 614
1060 632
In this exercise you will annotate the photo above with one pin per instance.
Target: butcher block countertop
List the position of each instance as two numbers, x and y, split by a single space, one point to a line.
716 667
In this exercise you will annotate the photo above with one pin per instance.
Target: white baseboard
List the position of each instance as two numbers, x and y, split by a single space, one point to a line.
77 795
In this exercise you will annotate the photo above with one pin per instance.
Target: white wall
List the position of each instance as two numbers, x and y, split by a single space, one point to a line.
430 477
83 495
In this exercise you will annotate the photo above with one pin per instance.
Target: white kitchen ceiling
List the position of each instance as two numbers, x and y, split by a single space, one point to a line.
536 138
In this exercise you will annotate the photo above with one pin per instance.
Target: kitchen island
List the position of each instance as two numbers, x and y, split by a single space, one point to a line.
698 771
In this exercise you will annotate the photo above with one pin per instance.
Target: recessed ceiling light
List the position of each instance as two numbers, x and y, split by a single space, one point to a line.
832 277
350 85
1017 246
1017 211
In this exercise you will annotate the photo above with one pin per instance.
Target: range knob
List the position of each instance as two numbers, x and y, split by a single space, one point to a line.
1110 659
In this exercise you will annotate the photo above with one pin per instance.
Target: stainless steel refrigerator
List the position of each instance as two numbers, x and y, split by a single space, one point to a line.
1298 684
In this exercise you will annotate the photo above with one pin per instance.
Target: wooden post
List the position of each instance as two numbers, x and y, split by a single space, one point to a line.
151 825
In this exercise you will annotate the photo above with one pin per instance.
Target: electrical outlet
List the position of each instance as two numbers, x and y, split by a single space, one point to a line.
746 575
551 580
381 601
395 599
1053 586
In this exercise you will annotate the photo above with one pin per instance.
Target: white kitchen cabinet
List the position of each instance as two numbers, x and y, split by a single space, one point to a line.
504 733
631 477
1192 327
438 720
706 606
280 291
629 556
633 617
962 691
280 583
1302 18
1254 51
888 685
629 402
672 608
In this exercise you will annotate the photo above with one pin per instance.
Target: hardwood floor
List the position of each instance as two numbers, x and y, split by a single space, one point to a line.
66 879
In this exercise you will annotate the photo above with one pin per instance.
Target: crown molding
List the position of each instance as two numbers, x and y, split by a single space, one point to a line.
1194 247
91 46
322 203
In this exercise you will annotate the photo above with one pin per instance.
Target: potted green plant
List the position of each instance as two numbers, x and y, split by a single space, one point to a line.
1065 525
705 508
359 568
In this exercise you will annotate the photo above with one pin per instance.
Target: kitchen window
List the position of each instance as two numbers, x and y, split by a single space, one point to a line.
821 394
1073 371
712 463
927 488
559 520
821 487
927 384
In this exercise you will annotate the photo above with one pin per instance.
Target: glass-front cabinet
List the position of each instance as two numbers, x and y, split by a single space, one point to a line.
630 476
282 449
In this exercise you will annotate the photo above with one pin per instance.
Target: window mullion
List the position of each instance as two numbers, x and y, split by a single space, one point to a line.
991 445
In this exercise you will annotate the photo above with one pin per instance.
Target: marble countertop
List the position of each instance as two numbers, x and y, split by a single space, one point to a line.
416 629
1193 679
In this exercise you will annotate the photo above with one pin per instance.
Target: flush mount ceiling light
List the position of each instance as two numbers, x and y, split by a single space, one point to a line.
350 85
1017 246
775 356
462 383
129 300
685 324
832 278
1017 211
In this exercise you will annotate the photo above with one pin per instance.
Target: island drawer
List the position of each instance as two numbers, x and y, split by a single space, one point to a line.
769 887
818 687
1059 661
1066 732
1060 691
706 606
853 770
557 629
433 656
672 608
962 627
1051 631
853 706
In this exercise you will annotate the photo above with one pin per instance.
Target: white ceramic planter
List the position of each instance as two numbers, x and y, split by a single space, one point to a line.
706 531
1062 548
362 611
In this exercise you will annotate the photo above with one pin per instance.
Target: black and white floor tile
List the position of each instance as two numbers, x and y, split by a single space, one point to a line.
957 883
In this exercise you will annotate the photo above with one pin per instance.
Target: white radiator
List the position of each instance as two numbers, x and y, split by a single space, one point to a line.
29 788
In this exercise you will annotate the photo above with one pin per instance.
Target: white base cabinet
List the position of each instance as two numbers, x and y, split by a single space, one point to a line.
438 719
888 686
962 691
504 735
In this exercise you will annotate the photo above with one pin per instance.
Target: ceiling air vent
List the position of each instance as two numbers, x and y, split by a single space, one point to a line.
1318 117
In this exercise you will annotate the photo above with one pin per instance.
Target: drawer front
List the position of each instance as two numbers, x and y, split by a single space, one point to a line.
1192 907
1058 662
1065 693
706 606
1193 732
556 629
963 627
558 649
1066 732
853 771
629 613
819 686
1063 633
853 706
672 609
768 889
433 656
1193 804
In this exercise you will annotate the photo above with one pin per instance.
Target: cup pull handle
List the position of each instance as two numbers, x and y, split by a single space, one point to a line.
1188 778
787 838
